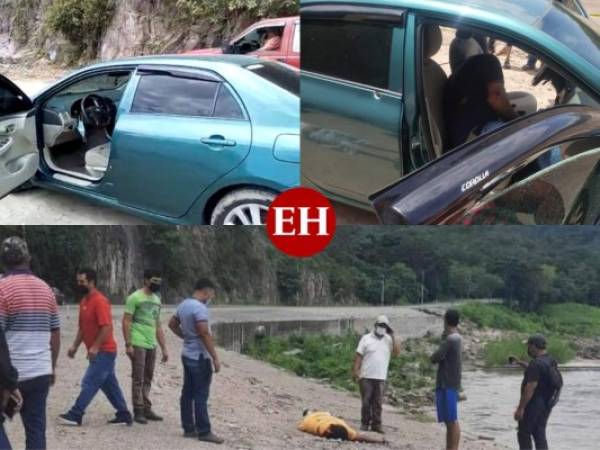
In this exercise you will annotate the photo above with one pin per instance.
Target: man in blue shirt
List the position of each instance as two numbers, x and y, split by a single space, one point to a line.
191 323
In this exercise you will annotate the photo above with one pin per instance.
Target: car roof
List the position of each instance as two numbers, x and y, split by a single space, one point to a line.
525 11
193 61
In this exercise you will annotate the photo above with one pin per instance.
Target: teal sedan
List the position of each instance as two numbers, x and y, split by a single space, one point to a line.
375 75
175 139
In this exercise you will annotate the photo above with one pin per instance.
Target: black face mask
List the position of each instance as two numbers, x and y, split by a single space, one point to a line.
154 287
82 290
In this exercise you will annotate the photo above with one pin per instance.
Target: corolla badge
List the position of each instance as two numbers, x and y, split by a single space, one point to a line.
474 181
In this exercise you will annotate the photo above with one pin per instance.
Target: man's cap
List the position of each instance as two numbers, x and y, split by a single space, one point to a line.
383 320
537 340
14 250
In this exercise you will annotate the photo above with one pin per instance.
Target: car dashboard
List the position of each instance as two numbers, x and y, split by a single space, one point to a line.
59 127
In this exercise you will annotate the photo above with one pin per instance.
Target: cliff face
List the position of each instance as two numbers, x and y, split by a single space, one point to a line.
240 260
133 27
141 27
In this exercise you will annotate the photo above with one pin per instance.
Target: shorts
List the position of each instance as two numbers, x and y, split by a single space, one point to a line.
446 402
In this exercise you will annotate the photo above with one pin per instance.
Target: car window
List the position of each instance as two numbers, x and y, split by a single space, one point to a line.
113 81
575 31
278 74
165 94
353 51
296 43
227 106
256 38
556 188
12 101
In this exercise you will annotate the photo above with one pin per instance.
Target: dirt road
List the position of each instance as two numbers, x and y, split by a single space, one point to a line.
253 406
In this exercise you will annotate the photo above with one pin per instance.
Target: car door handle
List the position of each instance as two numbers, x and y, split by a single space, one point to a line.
218 141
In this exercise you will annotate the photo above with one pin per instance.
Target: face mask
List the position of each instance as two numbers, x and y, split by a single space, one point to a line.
82 290
154 287
380 331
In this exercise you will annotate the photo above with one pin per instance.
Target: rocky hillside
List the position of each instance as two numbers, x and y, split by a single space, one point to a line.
76 31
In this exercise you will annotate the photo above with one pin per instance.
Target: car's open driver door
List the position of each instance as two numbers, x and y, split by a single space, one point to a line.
19 156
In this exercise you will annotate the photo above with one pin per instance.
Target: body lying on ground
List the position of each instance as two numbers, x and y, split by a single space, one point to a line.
323 424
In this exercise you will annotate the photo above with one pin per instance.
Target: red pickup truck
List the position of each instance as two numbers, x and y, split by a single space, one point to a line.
252 40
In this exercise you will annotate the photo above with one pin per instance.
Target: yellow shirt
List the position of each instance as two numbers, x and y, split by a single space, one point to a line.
319 422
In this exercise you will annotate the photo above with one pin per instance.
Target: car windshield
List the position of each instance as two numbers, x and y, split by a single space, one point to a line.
573 30
279 74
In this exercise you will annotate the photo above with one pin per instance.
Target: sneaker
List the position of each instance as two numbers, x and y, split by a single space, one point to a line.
140 418
69 419
209 437
121 421
364 427
190 434
151 415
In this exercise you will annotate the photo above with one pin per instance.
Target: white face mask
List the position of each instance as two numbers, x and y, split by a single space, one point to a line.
380 331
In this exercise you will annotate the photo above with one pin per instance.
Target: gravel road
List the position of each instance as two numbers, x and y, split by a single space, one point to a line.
253 406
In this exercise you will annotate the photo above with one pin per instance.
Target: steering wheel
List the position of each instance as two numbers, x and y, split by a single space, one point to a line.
97 111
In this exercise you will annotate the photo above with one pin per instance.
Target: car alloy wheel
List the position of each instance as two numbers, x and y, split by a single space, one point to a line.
248 214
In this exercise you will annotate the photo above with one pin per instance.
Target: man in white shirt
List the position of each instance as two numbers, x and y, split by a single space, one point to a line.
370 368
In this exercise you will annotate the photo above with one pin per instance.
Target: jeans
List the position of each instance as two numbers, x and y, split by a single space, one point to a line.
371 394
143 371
100 375
4 442
533 425
33 411
197 376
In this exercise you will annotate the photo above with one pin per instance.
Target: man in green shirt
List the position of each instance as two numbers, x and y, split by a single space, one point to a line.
142 330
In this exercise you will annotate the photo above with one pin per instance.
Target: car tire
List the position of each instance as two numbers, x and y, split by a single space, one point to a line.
242 207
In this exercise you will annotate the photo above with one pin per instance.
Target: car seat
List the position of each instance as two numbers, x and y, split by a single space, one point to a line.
434 82
463 46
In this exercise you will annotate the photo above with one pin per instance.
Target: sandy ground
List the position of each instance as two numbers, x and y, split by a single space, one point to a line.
253 406
44 207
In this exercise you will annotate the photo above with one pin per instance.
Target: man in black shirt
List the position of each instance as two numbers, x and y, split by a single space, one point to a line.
537 392
8 389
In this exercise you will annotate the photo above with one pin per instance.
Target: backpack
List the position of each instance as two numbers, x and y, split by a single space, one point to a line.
555 380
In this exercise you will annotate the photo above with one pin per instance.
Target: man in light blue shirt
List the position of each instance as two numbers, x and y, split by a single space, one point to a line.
191 323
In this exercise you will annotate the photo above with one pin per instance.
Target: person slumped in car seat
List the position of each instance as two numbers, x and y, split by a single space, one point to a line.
475 100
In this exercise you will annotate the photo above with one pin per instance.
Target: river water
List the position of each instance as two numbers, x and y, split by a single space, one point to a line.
492 397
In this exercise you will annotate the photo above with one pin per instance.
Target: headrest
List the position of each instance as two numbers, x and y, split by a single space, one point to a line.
432 40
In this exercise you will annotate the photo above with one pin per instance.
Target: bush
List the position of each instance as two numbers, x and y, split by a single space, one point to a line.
496 353
82 22
189 11
331 358
572 318
500 317
563 319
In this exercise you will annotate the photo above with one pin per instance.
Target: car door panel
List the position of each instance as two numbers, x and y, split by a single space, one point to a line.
352 106
163 169
445 190
350 147
19 157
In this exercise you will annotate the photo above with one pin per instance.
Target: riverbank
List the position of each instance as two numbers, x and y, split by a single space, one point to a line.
253 406
490 333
